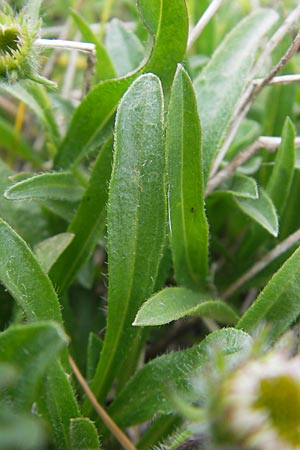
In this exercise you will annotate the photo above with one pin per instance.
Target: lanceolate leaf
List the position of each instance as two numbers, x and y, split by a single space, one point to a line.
31 349
188 224
261 210
49 186
278 304
240 186
88 223
24 278
136 220
156 381
175 303
100 104
281 178
222 82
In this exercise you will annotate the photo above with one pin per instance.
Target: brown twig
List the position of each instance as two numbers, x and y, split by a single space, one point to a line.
281 248
111 425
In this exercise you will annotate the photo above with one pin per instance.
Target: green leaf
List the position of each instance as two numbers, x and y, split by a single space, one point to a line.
240 186
170 21
50 186
188 224
279 303
281 178
261 210
104 68
98 107
58 405
94 348
222 82
16 144
88 222
125 49
24 278
174 303
247 133
48 251
32 10
155 382
31 349
136 219
83 435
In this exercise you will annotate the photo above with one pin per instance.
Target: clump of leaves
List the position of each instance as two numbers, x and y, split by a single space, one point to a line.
148 211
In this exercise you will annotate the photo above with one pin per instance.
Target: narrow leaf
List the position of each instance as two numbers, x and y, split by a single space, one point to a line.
20 431
188 224
50 186
136 219
175 303
48 251
24 278
104 68
155 382
83 435
88 222
222 82
240 186
279 303
281 178
261 210
31 349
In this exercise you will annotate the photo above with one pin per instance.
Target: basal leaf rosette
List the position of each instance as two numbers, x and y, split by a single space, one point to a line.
259 405
18 54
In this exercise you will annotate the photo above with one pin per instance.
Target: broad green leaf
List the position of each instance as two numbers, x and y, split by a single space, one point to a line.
32 9
20 431
83 435
88 222
98 107
188 224
24 278
278 304
16 144
125 49
221 83
61 186
64 209
240 186
58 405
281 178
47 252
174 303
136 220
173 372
104 68
261 210
31 349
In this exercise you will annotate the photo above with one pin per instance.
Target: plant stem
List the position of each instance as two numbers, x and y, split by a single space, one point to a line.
281 248
203 21
270 143
111 425
64 44
283 79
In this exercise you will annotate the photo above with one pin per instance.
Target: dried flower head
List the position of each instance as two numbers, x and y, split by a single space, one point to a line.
259 405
